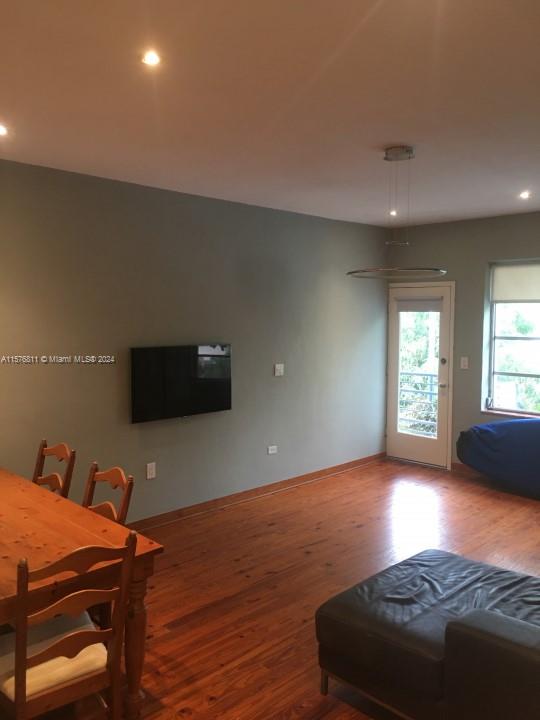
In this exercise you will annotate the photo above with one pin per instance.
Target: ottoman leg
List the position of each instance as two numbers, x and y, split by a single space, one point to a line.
324 682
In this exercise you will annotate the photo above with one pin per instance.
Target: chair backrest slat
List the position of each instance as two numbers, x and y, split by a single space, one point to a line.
78 561
55 481
117 479
74 604
69 646
114 476
105 509
60 451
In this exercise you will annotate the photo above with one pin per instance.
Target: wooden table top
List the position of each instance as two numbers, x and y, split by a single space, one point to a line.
41 526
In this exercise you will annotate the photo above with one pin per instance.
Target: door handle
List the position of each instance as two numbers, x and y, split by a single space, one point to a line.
442 385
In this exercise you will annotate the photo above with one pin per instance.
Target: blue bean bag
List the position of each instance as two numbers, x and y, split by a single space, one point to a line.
508 452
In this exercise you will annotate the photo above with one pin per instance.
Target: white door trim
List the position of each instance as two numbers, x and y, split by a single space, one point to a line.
451 285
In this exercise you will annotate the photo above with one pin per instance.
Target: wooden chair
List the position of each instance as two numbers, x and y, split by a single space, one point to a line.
55 481
116 479
56 654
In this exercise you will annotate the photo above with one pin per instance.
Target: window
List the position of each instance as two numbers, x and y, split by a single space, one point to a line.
514 367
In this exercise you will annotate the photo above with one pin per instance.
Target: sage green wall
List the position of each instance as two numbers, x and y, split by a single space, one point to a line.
466 249
94 266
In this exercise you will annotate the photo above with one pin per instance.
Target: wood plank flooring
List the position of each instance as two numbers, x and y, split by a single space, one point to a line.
231 606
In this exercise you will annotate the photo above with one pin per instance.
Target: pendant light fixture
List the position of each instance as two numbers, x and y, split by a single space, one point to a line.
399 205
398 273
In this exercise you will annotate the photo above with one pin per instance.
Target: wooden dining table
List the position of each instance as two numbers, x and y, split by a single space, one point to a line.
41 526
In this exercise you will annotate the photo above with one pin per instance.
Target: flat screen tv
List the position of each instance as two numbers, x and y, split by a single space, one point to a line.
169 382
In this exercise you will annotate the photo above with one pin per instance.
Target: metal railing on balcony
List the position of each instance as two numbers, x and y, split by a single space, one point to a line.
418 403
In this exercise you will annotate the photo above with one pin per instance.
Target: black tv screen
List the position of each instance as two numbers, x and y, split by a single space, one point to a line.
169 382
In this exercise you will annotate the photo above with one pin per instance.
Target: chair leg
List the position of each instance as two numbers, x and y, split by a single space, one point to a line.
115 701
324 682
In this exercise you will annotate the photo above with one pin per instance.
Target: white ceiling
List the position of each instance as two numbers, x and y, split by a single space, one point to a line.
282 103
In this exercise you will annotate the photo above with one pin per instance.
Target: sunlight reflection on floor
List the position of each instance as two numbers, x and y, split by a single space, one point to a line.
415 518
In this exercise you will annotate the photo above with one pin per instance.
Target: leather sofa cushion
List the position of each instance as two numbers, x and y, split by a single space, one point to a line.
394 623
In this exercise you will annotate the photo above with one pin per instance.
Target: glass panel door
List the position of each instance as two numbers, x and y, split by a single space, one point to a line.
418 372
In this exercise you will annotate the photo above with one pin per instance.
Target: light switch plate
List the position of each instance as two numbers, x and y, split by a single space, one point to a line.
272 449
464 362
151 471
279 369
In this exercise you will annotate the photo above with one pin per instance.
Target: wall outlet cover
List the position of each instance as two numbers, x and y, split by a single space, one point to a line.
151 471
272 449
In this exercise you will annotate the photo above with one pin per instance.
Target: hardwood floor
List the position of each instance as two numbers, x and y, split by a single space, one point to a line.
231 606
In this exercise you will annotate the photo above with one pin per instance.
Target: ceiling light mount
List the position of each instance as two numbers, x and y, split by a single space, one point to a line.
398 153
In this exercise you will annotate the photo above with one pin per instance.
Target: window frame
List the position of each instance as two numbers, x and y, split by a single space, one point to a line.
489 402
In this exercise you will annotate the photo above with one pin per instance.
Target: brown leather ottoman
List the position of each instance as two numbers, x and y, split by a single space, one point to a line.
399 637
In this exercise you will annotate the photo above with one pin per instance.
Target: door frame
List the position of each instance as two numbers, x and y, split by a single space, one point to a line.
451 285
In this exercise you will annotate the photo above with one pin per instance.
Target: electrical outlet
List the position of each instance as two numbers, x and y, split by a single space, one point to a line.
151 471
279 369
272 449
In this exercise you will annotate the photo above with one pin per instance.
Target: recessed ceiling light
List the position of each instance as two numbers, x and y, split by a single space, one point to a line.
151 57
3 130
393 213
525 195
